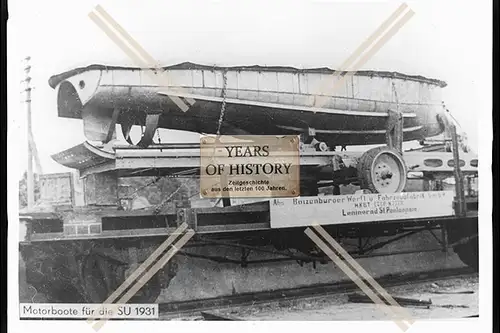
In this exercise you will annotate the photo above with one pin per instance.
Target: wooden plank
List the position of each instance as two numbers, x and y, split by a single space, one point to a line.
248 208
111 234
135 233
233 227
28 216
216 316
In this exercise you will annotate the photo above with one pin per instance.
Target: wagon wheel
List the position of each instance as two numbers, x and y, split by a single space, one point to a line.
382 170
468 253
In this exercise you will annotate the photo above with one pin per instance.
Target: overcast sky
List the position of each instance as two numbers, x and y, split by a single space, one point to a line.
446 40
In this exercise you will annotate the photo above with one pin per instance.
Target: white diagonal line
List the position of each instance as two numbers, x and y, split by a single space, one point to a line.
140 270
156 267
125 35
376 47
404 326
134 51
146 264
150 273
149 60
384 37
360 270
364 46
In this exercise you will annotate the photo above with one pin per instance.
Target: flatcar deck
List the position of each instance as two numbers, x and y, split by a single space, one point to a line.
182 158
110 223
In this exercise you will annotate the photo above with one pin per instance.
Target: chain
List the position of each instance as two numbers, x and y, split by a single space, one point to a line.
132 195
223 107
159 207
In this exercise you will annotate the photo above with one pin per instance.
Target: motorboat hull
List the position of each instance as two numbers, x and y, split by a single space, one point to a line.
347 109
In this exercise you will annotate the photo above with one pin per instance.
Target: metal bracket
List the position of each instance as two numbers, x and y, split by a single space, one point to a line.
244 257
308 135
181 216
226 200
152 120
337 163
149 132
185 215
112 125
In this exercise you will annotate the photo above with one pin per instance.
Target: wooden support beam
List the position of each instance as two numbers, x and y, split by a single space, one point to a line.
394 131
460 206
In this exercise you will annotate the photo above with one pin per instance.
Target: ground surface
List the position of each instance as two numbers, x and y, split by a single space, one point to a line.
451 298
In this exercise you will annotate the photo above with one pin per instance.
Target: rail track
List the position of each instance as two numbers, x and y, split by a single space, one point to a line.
198 308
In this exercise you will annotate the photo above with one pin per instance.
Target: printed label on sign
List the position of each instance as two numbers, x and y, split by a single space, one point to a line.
305 211
108 311
249 166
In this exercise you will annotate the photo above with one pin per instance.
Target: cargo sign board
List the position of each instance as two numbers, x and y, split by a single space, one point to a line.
340 209
56 189
249 166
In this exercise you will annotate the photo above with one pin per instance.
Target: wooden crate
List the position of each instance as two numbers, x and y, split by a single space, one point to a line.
57 189
101 189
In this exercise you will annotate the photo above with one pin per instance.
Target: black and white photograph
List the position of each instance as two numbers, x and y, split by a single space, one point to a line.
249 161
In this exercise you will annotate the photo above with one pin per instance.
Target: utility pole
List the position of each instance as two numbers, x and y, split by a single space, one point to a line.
27 90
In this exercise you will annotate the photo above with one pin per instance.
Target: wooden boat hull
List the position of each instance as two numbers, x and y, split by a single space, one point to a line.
259 100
